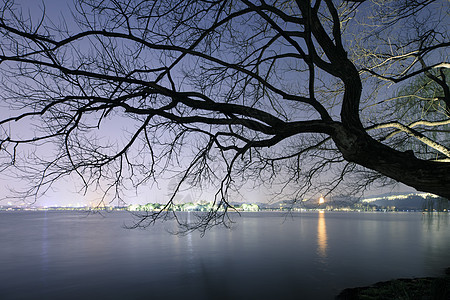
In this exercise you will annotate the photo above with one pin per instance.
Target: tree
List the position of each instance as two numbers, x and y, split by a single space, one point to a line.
223 92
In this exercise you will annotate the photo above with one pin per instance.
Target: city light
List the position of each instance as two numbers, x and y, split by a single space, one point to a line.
321 200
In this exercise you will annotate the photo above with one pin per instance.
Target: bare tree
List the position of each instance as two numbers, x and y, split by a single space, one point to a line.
222 92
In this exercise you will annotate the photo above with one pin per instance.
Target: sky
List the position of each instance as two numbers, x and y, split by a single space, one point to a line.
66 192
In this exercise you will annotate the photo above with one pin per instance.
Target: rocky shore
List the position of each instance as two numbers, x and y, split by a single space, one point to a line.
405 288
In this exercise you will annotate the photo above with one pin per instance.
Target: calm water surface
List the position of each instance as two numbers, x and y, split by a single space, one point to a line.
66 255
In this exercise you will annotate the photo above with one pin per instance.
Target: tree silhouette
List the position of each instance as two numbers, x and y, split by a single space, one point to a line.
222 92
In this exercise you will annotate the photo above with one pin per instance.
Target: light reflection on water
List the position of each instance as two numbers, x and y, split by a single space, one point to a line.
434 220
64 255
322 243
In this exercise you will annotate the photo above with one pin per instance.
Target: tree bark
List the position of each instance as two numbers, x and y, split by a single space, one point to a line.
423 175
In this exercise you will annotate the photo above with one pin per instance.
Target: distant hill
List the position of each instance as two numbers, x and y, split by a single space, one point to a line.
411 201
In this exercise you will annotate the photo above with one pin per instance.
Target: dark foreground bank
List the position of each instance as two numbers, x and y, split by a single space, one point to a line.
404 288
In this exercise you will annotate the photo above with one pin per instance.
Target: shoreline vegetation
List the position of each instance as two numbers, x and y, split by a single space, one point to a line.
436 288
241 207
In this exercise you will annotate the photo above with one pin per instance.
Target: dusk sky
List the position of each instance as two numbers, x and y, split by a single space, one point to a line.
65 191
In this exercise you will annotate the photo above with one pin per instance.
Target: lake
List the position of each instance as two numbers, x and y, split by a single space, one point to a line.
266 255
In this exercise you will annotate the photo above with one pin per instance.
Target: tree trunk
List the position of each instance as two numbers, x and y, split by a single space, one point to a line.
427 176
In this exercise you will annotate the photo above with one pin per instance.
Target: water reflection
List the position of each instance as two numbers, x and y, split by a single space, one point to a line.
44 251
322 240
191 263
434 220
96 258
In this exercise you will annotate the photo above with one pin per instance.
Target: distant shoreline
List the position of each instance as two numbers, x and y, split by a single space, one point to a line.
412 202
124 209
